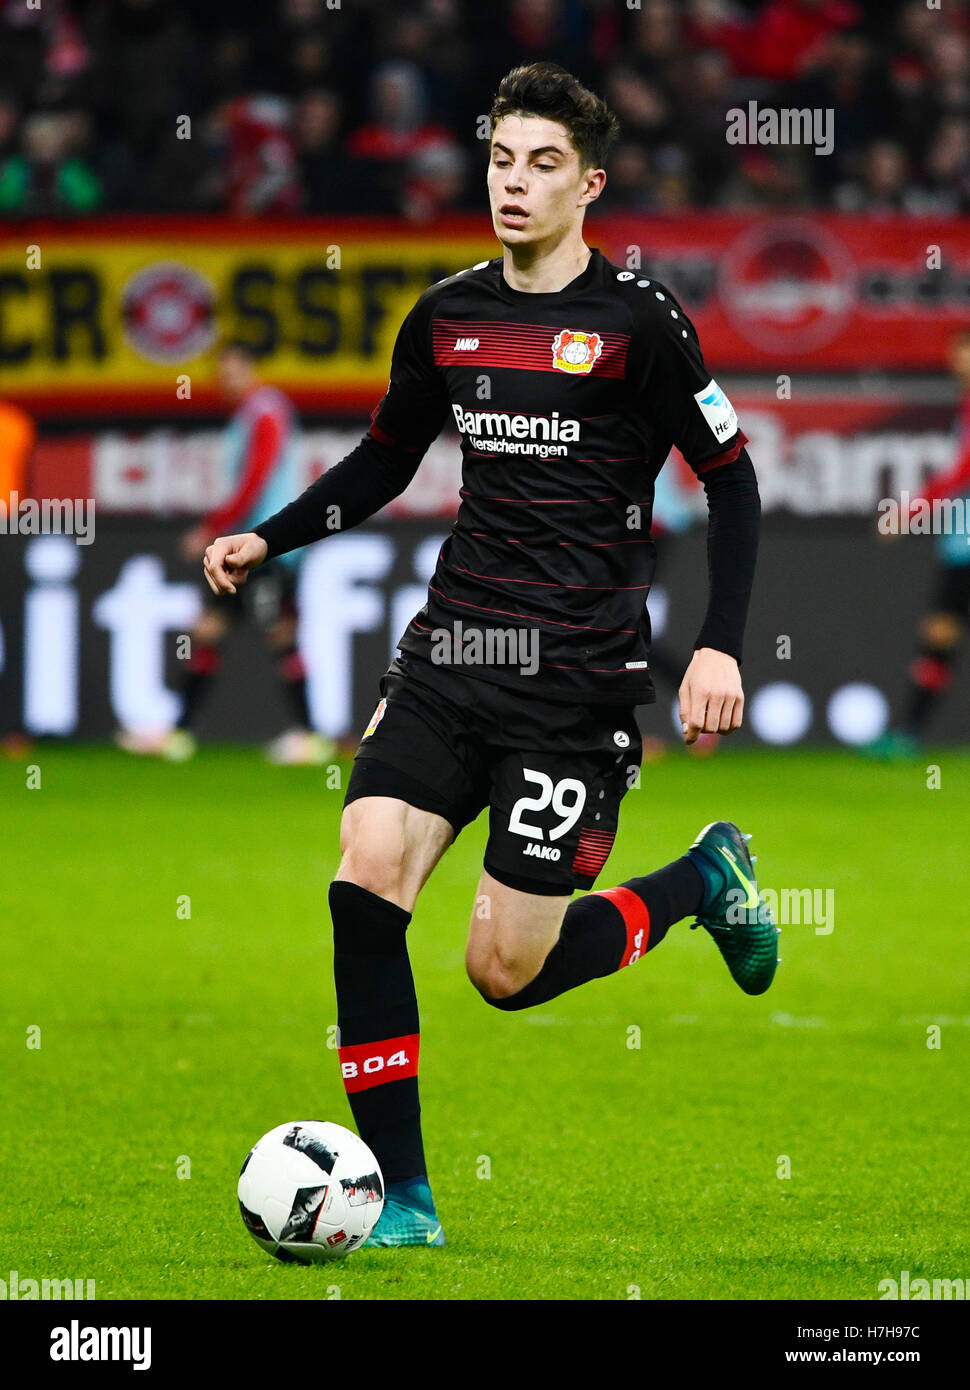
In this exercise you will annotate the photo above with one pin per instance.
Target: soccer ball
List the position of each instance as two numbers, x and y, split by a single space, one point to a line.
310 1191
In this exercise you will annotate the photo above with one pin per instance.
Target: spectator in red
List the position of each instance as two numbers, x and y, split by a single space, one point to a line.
789 37
434 182
262 167
720 26
399 129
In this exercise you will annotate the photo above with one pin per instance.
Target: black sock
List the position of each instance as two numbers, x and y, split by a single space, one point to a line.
204 663
377 1026
931 675
607 930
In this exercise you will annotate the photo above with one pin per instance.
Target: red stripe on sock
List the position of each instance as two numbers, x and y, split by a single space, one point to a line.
636 916
373 1064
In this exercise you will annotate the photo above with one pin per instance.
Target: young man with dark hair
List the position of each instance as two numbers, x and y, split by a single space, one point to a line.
516 684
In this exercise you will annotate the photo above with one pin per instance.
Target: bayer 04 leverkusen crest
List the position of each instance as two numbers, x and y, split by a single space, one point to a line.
576 352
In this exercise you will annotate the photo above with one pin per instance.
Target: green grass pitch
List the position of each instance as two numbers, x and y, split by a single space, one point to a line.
613 1169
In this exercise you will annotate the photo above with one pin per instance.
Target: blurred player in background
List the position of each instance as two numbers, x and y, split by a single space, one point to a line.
17 437
943 628
18 434
262 453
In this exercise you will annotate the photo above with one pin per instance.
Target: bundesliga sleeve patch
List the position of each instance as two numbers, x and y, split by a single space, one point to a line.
376 718
717 410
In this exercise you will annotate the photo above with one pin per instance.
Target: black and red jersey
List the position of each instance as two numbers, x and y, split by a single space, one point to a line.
567 405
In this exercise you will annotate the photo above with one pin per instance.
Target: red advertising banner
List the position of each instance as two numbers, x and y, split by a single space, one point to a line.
818 292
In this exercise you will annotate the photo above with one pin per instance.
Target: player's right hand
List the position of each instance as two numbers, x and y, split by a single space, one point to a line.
229 559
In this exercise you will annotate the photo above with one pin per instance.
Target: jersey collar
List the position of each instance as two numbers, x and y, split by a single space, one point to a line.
582 282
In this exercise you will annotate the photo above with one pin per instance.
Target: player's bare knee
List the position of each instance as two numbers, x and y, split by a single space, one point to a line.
496 977
390 847
493 982
371 854
379 868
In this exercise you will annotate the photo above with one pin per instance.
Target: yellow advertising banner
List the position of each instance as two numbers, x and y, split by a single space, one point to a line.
123 317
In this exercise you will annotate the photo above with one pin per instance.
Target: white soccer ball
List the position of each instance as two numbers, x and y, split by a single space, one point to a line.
310 1191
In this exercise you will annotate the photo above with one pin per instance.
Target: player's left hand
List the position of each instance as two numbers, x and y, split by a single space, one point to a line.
193 543
711 698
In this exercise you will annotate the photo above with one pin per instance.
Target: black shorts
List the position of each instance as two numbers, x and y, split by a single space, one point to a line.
552 774
952 592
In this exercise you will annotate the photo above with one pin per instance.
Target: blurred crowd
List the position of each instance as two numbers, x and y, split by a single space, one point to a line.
276 107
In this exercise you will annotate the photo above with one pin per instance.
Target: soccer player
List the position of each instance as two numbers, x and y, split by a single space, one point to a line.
18 436
943 628
261 442
569 379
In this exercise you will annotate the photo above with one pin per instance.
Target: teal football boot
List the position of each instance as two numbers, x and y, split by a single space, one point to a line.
731 911
409 1217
